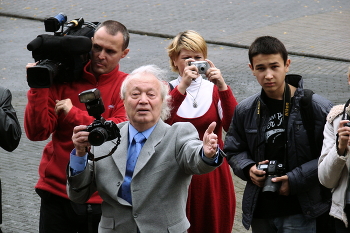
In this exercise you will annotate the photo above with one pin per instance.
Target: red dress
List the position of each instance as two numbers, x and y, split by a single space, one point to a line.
211 200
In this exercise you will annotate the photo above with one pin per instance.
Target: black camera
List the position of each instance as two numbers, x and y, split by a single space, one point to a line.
347 124
100 129
202 66
60 57
273 169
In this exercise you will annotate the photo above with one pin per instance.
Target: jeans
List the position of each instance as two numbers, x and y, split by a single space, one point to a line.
57 215
287 224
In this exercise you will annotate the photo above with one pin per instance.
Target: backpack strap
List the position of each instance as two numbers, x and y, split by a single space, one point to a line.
307 116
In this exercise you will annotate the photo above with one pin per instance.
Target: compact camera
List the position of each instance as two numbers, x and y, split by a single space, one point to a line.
273 169
202 66
100 129
60 57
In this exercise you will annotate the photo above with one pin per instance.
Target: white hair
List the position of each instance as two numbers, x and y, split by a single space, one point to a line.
161 76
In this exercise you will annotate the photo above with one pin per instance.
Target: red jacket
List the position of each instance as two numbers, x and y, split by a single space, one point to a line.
41 122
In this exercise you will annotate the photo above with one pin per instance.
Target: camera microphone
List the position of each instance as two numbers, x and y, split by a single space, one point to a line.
52 24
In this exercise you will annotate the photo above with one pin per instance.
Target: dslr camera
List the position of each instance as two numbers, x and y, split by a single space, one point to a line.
100 129
202 66
62 56
273 169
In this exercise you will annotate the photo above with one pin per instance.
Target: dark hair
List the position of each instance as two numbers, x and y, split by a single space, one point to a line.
113 27
267 45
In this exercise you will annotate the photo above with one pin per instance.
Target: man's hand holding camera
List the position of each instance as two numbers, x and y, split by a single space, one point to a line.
284 190
259 177
80 140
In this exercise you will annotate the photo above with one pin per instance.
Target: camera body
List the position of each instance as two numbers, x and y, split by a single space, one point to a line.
202 66
100 129
347 124
273 169
62 56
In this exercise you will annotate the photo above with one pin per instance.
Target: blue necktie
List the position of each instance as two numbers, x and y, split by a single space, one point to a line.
133 154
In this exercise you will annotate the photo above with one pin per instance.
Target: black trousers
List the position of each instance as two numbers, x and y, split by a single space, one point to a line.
58 215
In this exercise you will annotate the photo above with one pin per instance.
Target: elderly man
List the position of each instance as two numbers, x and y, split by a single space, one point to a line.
148 193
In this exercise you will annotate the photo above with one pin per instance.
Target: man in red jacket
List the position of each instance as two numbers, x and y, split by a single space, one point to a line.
56 110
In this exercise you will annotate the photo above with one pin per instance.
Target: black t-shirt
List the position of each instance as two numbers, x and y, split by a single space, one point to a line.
275 133
275 205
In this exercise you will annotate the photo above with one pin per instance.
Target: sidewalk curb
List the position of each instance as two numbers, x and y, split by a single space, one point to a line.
161 35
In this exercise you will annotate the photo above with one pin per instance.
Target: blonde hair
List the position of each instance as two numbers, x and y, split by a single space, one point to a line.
189 40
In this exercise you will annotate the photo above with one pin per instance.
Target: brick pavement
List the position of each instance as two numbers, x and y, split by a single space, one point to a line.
317 28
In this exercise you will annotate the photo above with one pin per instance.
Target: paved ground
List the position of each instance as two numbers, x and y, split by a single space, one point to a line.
316 33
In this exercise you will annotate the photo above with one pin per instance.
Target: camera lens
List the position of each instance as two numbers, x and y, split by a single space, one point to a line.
271 187
98 136
43 74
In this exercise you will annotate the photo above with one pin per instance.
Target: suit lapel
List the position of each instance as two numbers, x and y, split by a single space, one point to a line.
121 154
148 148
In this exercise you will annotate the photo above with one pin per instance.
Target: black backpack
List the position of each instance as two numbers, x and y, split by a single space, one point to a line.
307 116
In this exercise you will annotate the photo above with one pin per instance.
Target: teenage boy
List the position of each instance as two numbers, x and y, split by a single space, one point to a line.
267 129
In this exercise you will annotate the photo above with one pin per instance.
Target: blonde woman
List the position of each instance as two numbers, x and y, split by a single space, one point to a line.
199 99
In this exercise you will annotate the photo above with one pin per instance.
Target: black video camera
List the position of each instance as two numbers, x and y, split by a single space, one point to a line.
100 129
273 169
60 57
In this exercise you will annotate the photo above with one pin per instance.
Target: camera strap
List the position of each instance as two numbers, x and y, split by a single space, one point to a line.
285 112
91 156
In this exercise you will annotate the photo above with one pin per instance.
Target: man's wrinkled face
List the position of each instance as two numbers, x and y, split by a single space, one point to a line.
143 101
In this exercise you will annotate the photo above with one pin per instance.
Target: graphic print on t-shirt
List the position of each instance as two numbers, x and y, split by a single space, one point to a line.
274 133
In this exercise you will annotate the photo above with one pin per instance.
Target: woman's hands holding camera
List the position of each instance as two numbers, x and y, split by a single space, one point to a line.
214 75
343 136
189 74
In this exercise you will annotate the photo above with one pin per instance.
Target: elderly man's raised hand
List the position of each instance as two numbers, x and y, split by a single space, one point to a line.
210 141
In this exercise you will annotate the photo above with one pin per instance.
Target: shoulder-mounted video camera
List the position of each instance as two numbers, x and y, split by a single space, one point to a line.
273 169
60 57
100 129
